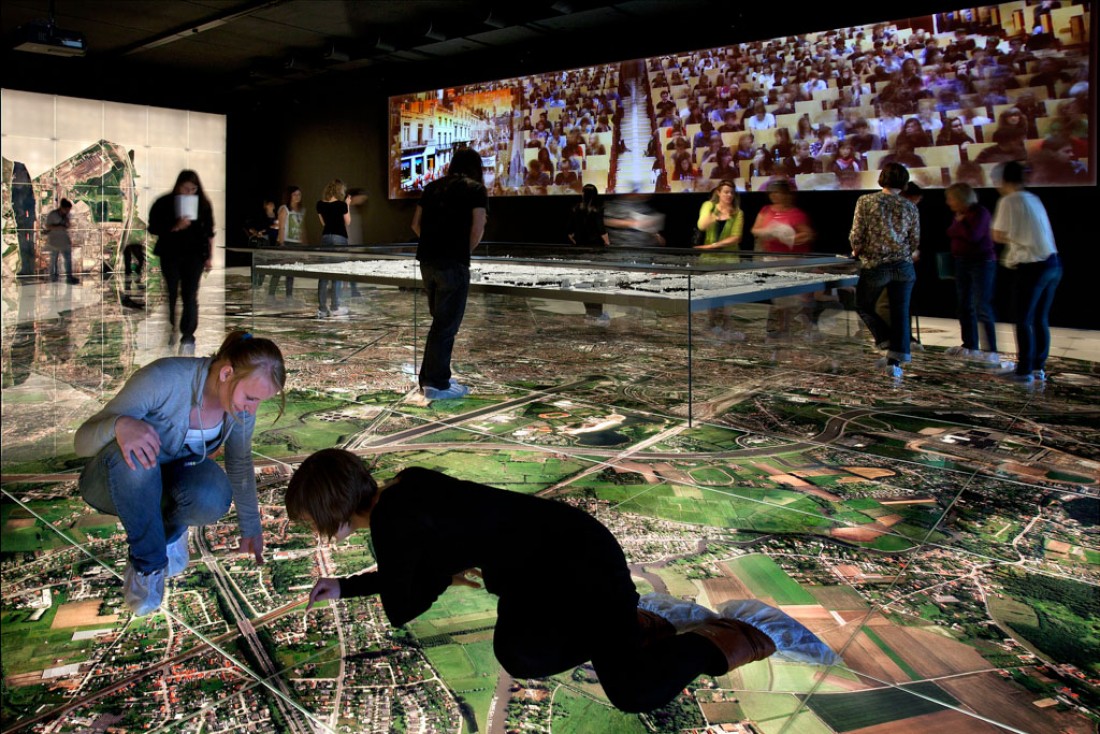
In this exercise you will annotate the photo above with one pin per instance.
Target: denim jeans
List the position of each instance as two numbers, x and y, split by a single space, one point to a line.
186 273
897 279
974 289
1035 286
447 285
156 506
327 289
67 254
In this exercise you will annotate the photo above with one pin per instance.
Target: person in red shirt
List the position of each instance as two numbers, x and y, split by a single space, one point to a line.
784 228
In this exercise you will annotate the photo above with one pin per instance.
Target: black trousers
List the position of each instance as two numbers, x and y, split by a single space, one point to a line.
446 285
183 274
639 669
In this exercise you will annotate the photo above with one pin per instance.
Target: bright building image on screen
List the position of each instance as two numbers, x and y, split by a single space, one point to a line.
950 96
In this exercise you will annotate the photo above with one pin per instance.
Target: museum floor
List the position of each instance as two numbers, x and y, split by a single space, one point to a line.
940 532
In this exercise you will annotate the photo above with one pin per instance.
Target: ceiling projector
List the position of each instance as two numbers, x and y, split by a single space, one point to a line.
46 38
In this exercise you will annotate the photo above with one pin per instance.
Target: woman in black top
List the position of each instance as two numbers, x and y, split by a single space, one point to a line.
565 591
185 247
335 216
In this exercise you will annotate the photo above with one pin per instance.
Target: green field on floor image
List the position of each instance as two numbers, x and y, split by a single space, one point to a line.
947 551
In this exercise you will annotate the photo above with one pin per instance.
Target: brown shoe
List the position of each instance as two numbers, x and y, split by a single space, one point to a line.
741 643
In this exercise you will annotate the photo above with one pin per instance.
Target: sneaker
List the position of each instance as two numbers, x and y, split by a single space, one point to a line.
985 358
341 311
603 320
187 347
322 313
143 592
1018 378
179 555
451 393
895 371
961 352
1040 375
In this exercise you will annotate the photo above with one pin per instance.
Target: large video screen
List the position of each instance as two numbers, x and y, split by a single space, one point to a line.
950 96
111 160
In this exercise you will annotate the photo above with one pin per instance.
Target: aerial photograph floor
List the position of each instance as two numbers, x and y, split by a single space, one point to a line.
940 532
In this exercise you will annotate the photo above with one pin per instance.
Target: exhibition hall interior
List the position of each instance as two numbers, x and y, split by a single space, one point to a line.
726 413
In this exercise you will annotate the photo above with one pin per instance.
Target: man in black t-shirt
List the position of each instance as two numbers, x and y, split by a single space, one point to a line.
450 221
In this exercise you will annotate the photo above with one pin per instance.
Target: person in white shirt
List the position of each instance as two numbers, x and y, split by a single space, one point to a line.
1020 223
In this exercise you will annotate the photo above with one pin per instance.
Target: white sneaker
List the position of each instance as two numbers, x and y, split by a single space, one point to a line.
451 393
342 311
985 358
179 555
322 313
143 592
603 319
895 371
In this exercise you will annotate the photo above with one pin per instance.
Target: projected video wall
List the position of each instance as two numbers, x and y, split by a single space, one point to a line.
111 160
950 96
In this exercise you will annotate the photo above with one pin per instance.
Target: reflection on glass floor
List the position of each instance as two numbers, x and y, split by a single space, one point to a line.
940 532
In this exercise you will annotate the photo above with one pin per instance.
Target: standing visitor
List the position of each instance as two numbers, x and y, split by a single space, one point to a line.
1020 223
975 270
183 223
586 229
450 221
885 237
58 241
335 216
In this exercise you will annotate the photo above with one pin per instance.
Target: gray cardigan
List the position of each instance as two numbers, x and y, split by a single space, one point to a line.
162 394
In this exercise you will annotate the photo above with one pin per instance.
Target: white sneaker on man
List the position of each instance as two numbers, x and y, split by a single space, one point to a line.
143 592
451 393
179 554
342 311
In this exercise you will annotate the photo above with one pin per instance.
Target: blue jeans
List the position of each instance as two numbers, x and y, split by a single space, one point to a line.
156 506
447 285
325 287
974 289
67 254
897 279
1035 286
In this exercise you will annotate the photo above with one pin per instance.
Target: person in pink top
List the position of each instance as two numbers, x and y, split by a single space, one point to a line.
782 227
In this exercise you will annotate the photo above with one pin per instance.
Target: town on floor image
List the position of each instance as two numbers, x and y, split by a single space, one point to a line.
941 534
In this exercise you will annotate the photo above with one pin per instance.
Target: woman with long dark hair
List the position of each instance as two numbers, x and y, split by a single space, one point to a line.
185 241
450 221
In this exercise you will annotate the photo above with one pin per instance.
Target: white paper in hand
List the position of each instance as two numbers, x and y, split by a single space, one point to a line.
187 206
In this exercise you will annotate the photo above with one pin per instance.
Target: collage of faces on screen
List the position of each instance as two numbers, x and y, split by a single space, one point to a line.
949 96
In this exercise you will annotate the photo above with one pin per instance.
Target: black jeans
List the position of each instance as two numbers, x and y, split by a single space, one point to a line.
1035 286
446 285
538 638
185 272
897 279
133 254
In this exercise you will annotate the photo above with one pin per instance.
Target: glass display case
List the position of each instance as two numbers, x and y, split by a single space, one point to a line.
682 298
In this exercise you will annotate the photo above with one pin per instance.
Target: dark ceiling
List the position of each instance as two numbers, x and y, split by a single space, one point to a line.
212 53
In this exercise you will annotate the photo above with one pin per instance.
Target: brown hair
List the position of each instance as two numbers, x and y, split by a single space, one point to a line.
247 355
328 488
335 190
717 189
